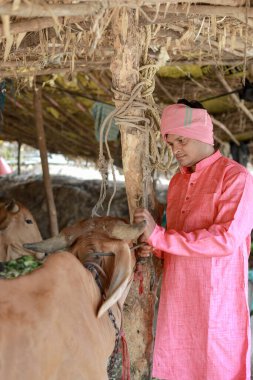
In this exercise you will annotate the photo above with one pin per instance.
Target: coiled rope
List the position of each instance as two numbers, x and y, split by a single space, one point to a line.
156 156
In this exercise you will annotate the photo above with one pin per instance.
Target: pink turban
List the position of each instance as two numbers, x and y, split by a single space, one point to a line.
195 123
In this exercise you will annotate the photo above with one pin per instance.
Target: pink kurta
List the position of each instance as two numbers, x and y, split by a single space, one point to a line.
203 330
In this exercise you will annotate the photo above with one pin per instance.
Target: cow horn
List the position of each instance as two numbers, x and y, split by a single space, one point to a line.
50 245
123 269
127 232
12 206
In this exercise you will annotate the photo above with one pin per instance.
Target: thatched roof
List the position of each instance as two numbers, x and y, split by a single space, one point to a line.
68 46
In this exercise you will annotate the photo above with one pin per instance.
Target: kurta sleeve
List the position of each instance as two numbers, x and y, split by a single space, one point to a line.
231 226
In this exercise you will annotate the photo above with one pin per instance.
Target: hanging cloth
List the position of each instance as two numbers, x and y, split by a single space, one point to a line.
100 111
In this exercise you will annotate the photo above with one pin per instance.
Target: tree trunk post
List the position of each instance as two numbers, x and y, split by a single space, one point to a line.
139 308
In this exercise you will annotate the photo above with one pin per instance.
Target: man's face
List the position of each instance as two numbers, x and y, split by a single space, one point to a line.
186 151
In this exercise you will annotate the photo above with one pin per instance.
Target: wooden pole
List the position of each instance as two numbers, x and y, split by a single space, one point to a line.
89 7
44 162
40 10
205 10
39 23
225 129
138 317
19 154
125 75
235 98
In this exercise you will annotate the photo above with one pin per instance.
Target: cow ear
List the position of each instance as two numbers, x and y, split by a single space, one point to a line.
12 206
121 277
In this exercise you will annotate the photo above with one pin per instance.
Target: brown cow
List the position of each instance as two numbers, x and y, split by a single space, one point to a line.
17 226
49 329
99 234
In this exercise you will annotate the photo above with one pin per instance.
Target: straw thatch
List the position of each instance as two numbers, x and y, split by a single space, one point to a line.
68 46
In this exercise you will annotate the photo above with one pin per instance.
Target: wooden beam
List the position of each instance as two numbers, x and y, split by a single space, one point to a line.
131 3
39 23
235 98
44 163
89 7
248 135
225 129
203 10
30 71
164 89
63 10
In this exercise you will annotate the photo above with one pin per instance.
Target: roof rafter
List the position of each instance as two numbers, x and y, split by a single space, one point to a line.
88 8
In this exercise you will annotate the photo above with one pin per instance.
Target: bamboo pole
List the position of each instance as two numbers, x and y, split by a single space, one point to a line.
44 162
235 98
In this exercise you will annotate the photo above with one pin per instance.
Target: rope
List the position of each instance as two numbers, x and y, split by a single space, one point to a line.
148 122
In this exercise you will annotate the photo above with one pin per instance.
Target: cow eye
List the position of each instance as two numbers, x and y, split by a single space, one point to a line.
29 221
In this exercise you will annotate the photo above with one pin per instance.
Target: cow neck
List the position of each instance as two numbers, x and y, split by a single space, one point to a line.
97 271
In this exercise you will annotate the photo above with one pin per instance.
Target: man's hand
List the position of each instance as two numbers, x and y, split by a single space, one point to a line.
145 250
140 215
143 214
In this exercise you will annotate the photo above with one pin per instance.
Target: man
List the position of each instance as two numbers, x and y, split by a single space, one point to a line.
203 330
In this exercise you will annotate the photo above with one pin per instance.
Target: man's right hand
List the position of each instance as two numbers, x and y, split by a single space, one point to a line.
145 250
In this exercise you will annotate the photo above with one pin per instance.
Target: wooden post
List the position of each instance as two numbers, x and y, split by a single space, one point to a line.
125 75
19 157
44 162
139 312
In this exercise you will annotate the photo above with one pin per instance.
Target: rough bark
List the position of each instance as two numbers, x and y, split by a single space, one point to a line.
139 308
125 75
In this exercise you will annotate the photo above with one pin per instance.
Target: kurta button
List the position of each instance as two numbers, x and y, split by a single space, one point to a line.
191 184
187 198
183 211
